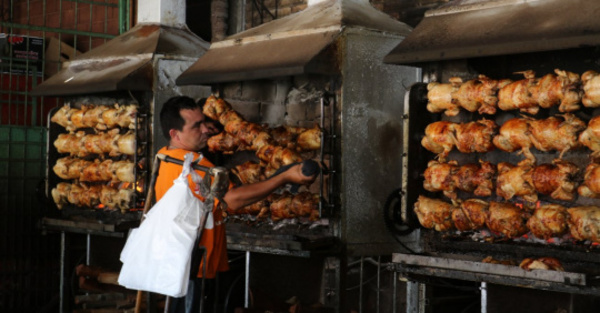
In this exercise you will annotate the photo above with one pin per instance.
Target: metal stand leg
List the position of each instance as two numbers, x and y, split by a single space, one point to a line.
61 293
483 289
247 282
415 297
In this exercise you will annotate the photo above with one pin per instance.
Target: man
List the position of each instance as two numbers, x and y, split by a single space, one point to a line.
188 130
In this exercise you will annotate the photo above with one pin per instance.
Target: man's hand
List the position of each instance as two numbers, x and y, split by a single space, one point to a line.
296 174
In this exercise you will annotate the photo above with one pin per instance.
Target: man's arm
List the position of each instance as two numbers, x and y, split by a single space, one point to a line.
241 196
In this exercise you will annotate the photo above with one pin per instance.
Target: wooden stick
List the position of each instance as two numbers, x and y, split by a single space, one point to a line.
149 196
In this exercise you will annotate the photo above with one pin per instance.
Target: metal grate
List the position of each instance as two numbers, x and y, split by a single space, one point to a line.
36 37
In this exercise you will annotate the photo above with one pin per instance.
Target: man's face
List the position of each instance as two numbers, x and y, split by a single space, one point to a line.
195 132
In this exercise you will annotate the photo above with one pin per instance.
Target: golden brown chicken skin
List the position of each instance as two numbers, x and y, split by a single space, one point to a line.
439 138
516 181
507 219
591 182
439 98
514 135
479 95
556 133
476 178
561 88
591 89
584 223
556 180
475 136
434 214
439 176
548 221
470 215
517 95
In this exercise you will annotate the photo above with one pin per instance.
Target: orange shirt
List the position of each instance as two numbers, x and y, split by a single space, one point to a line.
213 235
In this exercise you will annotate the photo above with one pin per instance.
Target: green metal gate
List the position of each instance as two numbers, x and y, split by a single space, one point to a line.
36 36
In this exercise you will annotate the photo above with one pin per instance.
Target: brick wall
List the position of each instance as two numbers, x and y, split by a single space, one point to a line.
84 17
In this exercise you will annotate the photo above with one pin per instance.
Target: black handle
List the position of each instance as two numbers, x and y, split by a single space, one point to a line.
309 168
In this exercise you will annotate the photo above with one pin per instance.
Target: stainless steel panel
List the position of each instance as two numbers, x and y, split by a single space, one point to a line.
290 45
123 63
371 110
476 28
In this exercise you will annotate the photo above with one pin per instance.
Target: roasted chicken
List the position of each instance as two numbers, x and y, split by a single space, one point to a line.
434 214
82 145
248 172
591 182
470 215
516 180
302 204
439 176
584 223
556 180
95 171
548 221
556 133
244 135
560 89
223 142
309 140
514 135
100 117
543 263
478 95
507 219
439 138
259 209
591 89
475 136
439 98
517 95
590 137
476 178
214 107
82 195
69 167
297 138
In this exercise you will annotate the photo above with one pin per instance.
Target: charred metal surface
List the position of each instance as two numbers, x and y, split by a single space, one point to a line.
497 269
476 28
372 138
124 62
463 244
291 45
419 268
118 230
292 239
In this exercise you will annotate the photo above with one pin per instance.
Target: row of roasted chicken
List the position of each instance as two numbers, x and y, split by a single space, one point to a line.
560 180
100 117
92 196
285 205
509 220
274 147
485 95
111 143
556 133
107 170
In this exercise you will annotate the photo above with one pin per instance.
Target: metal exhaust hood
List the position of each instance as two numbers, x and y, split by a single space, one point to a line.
477 28
126 61
301 43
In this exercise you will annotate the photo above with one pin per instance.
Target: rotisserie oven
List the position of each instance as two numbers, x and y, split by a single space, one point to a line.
527 112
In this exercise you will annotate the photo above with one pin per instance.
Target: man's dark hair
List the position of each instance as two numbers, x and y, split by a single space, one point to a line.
170 118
